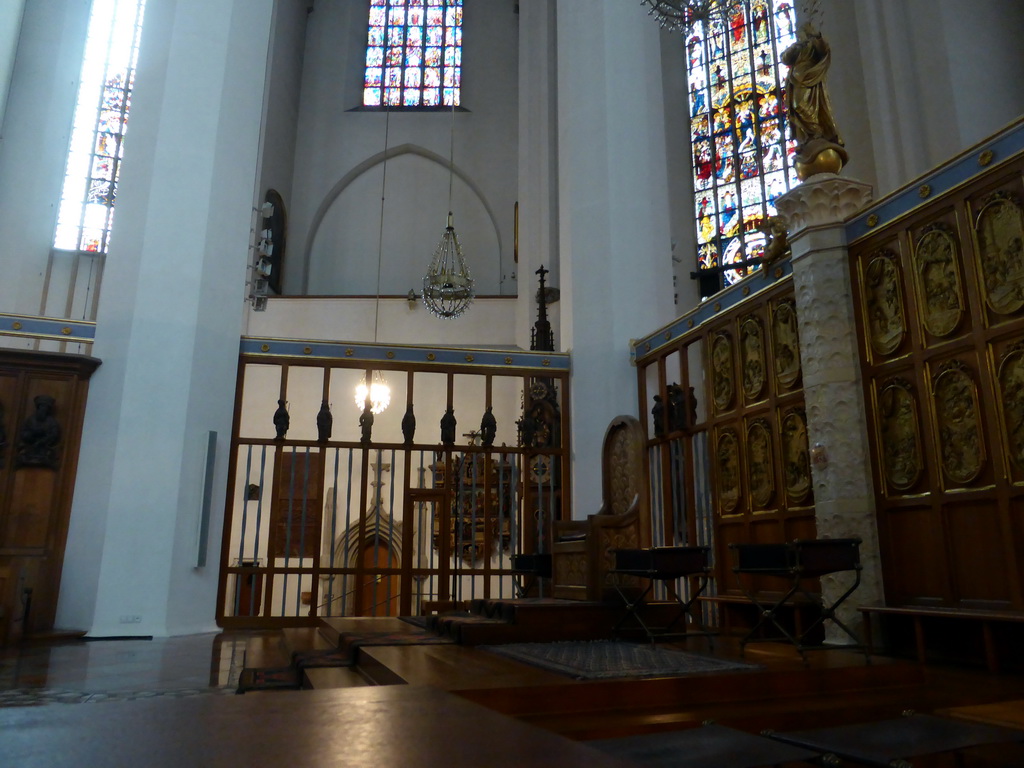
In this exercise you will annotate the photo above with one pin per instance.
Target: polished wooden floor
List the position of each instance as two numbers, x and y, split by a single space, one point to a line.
171 702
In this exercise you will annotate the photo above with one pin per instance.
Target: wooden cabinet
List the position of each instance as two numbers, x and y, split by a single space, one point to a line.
42 405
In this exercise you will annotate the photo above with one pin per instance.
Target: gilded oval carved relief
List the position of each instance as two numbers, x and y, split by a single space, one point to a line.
1000 230
722 385
762 473
1011 386
938 281
959 427
899 435
752 357
795 456
785 344
727 453
884 299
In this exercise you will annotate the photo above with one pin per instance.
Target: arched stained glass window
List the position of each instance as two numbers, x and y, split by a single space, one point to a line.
413 53
86 211
742 159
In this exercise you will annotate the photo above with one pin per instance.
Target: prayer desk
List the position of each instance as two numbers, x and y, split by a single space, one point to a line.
528 570
799 560
664 564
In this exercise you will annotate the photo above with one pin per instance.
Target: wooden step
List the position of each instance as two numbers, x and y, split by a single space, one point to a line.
334 677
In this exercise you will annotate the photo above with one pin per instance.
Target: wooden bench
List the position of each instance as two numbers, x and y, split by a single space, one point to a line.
985 619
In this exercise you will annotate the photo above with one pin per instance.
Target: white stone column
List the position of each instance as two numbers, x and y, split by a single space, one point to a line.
836 419
168 325
614 236
538 160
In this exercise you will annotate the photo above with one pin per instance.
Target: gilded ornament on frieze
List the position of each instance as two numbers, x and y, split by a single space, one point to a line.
961 447
760 465
940 294
1011 391
884 303
723 386
999 229
727 456
796 464
899 434
785 344
752 356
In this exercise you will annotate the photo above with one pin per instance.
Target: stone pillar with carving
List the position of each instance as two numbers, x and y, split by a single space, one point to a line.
816 212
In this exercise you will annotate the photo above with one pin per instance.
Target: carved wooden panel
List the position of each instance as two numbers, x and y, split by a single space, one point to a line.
999 233
796 462
899 434
940 297
760 463
785 344
723 376
752 357
882 303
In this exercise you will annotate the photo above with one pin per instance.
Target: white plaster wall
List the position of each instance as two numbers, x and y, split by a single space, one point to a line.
938 77
281 107
40 108
615 241
538 163
335 226
10 28
169 324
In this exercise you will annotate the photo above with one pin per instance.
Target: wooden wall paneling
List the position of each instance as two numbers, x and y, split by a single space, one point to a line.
959 374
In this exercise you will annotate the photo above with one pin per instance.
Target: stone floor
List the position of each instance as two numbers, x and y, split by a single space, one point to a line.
112 670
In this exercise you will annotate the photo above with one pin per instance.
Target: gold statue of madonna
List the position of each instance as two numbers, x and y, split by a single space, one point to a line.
819 146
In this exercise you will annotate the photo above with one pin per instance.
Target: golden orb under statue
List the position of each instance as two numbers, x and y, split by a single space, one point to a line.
826 161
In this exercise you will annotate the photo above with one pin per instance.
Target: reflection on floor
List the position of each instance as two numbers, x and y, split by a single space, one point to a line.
111 670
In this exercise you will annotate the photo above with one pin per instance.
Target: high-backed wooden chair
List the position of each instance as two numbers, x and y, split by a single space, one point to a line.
581 549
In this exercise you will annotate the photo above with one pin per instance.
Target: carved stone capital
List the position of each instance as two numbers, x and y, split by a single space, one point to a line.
824 199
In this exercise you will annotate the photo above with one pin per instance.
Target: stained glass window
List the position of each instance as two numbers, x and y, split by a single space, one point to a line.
413 53
742 158
86 210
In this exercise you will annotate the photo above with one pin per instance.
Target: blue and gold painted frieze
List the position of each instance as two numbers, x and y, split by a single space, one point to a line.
550 362
1001 147
60 329
709 309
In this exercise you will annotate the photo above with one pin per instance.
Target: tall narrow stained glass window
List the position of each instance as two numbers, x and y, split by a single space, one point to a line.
413 53
86 211
742 158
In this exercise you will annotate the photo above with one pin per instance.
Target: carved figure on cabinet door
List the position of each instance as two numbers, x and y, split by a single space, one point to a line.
448 425
409 425
366 423
324 423
281 420
488 428
658 416
728 471
39 436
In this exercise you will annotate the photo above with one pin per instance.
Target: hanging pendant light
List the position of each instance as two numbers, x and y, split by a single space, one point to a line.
378 394
448 286
683 15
